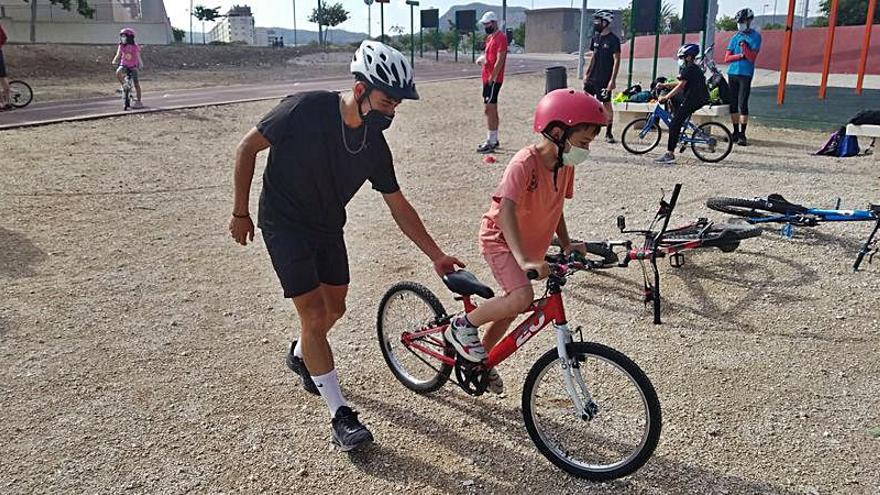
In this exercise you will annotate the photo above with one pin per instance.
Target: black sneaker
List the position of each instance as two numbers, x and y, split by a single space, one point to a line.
742 140
348 432
488 147
610 139
298 366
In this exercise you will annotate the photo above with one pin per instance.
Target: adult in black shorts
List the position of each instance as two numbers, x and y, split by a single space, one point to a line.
692 83
323 146
601 74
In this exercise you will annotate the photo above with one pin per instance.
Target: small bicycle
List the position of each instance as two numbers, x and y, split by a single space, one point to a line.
776 209
711 142
20 94
671 243
588 408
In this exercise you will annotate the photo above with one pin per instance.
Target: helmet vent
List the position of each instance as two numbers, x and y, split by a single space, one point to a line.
380 72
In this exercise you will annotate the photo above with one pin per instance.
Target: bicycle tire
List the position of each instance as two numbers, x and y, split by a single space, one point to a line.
580 351
20 94
725 237
635 127
741 207
724 139
440 377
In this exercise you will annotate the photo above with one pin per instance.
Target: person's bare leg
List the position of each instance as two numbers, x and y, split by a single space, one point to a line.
119 76
497 330
500 308
137 90
313 317
4 92
609 129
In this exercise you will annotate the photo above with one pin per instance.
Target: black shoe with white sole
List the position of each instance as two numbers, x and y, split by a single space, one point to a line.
298 366
488 147
348 433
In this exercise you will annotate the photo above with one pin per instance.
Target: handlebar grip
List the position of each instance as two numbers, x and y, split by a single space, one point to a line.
532 274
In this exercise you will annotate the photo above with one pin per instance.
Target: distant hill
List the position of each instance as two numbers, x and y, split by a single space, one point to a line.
515 15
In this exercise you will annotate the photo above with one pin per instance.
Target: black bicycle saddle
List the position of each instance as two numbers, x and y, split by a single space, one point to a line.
464 283
779 204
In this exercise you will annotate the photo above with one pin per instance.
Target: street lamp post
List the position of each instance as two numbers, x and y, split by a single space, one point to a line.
190 22
294 22
412 31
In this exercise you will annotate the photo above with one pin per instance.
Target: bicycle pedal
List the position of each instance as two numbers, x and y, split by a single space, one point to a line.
676 260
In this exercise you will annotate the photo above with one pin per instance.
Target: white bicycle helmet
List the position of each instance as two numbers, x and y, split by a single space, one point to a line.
385 68
604 15
745 15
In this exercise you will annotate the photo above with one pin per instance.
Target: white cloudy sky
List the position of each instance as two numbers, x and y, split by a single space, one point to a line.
279 13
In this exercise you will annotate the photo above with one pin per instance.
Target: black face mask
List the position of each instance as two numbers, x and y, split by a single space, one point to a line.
489 29
374 118
597 26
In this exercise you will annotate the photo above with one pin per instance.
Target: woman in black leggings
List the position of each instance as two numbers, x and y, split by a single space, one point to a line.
742 51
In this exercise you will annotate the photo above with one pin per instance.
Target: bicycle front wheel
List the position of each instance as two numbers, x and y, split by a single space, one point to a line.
712 142
740 207
409 307
20 94
620 427
638 138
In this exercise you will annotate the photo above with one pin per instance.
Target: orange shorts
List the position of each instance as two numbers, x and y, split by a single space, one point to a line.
507 272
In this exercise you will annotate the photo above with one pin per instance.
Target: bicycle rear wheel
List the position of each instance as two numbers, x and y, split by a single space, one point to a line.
622 410
741 207
20 94
638 139
712 142
410 307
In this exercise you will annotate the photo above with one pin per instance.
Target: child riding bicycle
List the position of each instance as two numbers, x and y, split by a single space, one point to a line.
128 56
692 83
525 212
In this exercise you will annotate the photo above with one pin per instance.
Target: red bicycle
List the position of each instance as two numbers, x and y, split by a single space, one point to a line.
588 408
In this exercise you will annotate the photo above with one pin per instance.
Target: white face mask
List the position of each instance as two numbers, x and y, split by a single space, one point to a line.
681 63
575 156
742 26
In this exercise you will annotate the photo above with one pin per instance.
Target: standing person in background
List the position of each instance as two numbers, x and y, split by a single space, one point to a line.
601 74
493 76
742 51
5 104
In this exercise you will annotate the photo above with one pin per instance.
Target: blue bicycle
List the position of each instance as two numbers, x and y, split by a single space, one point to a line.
776 209
710 142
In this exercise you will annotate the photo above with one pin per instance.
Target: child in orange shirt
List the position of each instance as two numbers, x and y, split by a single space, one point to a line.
526 211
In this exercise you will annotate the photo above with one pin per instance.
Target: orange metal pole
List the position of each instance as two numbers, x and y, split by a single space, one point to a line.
786 53
863 61
829 44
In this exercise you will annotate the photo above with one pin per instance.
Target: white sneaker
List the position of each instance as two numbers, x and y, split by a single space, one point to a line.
496 384
137 104
466 341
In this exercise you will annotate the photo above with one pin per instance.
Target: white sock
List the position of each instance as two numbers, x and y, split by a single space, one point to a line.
298 350
493 136
328 385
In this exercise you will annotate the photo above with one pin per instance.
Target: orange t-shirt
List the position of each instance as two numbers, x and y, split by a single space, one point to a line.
529 184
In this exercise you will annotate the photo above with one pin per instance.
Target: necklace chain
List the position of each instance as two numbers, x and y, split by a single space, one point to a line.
345 141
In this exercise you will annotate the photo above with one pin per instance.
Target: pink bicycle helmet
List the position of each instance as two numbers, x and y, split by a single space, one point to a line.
126 32
569 108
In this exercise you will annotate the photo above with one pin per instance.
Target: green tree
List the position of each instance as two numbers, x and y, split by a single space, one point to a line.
82 8
773 26
849 13
203 14
625 20
329 16
726 23
519 35
179 35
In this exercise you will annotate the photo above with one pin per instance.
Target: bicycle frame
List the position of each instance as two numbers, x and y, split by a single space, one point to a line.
821 215
660 113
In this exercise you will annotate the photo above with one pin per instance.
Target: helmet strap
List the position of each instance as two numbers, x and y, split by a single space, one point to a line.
560 148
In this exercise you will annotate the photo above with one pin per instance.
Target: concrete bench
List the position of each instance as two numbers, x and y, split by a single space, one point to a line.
865 130
626 112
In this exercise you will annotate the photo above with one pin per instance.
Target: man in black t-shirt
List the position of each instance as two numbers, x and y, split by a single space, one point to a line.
692 83
323 146
601 74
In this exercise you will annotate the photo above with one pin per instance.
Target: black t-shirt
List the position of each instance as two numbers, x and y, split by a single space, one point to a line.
696 93
603 48
310 175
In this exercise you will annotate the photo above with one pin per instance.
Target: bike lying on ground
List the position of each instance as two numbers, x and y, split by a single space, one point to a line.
589 409
671 243
20 94
776 209
711 142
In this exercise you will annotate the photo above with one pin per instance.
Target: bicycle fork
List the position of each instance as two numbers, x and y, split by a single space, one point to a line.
572 377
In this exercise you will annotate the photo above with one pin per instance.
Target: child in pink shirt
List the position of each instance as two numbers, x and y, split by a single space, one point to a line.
128 56
525 212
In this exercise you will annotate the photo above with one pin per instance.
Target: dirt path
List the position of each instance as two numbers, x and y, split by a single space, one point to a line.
142 350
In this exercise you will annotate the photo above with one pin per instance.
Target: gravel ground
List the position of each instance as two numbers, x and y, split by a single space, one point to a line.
141 350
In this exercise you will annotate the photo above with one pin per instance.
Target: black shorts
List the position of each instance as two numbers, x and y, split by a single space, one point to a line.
2 65
490 93
303 262
597 90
